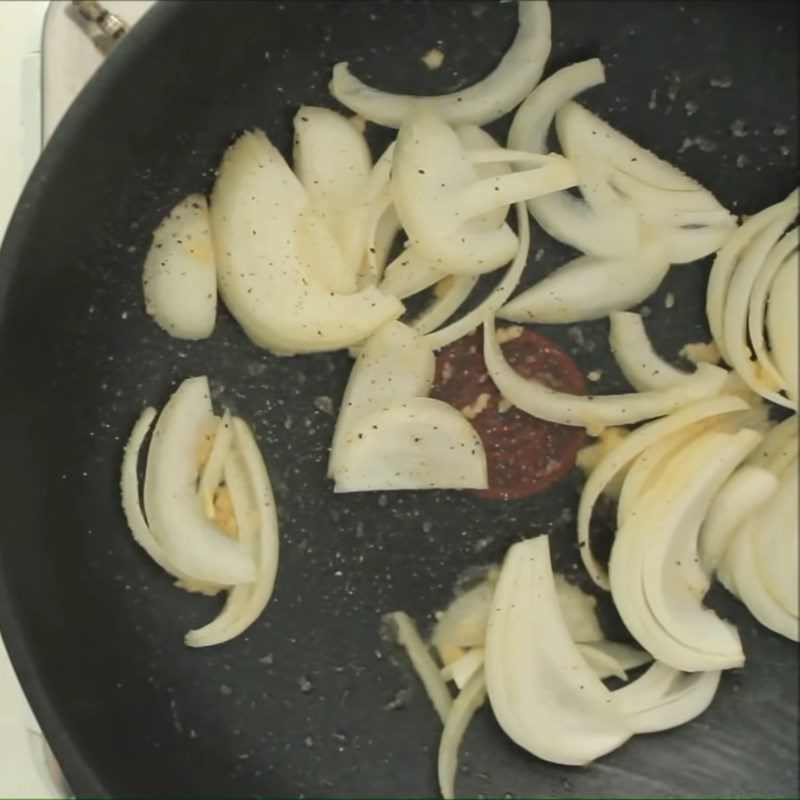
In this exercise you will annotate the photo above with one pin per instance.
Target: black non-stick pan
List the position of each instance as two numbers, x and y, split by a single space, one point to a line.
312 700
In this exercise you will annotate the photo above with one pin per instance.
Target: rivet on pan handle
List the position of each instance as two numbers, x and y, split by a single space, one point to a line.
104 28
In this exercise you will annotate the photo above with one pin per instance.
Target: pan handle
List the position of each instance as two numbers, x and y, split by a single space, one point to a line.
104 28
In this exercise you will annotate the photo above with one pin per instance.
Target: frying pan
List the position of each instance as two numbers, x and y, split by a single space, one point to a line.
312 700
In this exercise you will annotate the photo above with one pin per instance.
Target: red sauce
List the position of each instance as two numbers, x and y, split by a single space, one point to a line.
525 455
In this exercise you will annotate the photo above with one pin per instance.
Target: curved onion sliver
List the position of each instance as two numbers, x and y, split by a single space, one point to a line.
464 667
543 693
211 473
505 87
467 702
782 325
179 276
332 161
625 452
423 663
496 298
613 659
642 367
394 365
131 504
606 229
438 196
589 411
420 443
745 491
451 292
739 574
192 542
278 300
647 573
589 287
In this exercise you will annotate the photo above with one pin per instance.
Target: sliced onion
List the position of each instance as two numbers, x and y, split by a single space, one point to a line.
274 296
424 665
779 446
642 367
625 452
452 292
613 659
511 81
727 261
664 197
495 299
467 702
192 542
332 161
782 324
593 412
647 573
211 473
463 623
543 693
410 272
578 610
740 575
664 698
131 503
256 514
746 490
464 667
417 444
784 251
437 193
606 232
394 365
589 287
179 276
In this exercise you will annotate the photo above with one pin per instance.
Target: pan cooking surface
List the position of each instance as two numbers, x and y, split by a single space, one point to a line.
312 700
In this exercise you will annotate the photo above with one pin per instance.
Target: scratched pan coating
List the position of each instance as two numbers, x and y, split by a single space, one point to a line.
312 701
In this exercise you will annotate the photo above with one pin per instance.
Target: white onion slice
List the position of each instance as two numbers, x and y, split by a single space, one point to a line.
496 298
256 514
417 444
179 276
776 544
211 473
490 98
192 542
626 451
423 663
131 504
785 250
467 702
779 446
737 300
410 272
589 411
746 490
578 610
332 161
543 693
393 365
609 231
642 367
740 575
463 668
271 292
589 287
727 261
613 659
647 691
664 197
647 573
451 293
437 193
782 325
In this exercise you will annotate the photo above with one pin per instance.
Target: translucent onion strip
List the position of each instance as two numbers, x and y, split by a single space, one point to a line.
496 298
588 411
511 81
642 367
609 231
467 702
451 293
589 287
782 325
423 663
624 453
